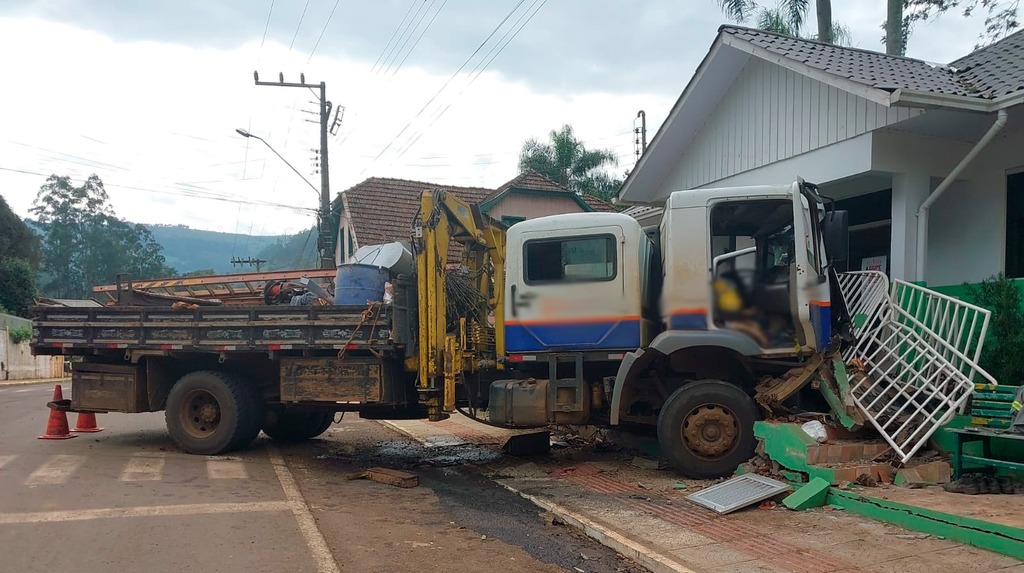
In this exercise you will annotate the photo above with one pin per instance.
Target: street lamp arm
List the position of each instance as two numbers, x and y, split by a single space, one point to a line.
245 133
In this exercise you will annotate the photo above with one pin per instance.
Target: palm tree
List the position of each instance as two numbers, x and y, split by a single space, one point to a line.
566 160
787 18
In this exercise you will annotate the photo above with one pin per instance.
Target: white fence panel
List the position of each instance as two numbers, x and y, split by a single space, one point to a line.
914 358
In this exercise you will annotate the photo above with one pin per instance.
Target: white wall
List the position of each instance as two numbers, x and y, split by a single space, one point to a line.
967 231
771 114
837 161
17 362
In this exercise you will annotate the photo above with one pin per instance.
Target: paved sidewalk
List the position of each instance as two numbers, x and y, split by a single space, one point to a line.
35 381
640 513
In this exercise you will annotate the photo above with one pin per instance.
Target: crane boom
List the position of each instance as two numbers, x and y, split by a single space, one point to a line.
464 333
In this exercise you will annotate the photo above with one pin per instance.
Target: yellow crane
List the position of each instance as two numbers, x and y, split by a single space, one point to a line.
456 336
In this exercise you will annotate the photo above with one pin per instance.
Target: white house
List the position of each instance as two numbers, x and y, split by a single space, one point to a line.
881 134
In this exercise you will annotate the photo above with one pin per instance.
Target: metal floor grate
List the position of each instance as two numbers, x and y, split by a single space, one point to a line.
738 493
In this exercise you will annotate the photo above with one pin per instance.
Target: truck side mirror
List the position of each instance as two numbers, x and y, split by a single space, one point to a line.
836 234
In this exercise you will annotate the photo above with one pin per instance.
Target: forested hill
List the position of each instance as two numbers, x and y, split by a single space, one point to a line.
190 250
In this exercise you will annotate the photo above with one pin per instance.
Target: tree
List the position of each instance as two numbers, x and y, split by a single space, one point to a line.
17 285
1000 16
895 31
16 239
85 244
787 18
566 160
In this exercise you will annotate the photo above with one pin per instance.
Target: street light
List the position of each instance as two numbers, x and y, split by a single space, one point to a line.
245 133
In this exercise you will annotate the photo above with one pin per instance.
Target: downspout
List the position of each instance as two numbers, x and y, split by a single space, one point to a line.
922 213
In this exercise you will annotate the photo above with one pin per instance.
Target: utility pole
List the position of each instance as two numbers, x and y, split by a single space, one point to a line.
326 238
640 135
258 263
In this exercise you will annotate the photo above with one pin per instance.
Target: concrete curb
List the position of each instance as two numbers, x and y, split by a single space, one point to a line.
656 562
35 381
652 560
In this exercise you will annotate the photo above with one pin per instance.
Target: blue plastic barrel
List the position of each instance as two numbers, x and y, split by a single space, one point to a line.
357 284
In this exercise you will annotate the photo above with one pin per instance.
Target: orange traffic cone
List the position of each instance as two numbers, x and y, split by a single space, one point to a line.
86 423
57 426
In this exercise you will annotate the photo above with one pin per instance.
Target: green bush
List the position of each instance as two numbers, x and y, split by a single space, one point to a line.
19 335
1003 353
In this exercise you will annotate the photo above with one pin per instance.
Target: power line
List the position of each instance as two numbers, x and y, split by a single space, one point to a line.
299 25
393 34
417 42
446 84
413 32
265 28
198 193
317 44
479 68
396 49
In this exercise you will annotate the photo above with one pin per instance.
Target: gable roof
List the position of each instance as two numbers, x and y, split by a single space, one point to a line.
391 205
996 70
872 69
533 180
988 73
989 79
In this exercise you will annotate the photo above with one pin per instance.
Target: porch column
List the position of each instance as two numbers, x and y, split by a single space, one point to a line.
909 190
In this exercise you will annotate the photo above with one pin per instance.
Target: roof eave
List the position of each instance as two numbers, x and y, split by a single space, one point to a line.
931 100
879 96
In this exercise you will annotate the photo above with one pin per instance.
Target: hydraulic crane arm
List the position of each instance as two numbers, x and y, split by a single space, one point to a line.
461 310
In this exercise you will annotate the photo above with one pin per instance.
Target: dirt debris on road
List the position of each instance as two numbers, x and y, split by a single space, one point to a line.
455 519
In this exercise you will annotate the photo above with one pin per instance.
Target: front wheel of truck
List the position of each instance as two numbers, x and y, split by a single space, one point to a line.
706 428
211 412
285 426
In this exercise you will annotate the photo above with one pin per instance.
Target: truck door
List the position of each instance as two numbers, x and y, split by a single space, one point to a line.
567 291
809 282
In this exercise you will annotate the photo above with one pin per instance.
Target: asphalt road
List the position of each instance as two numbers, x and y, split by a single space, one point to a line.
126 499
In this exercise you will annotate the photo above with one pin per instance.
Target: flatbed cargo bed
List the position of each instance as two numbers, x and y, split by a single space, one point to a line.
217 329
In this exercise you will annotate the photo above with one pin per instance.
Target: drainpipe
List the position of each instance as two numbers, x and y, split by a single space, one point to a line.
922 213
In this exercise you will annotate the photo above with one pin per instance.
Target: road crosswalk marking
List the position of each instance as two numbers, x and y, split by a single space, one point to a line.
139 467
143 468
4 460
55 471
226 469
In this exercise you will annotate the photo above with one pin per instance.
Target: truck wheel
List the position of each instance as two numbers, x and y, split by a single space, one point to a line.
252 422
297 426
211 412
706 428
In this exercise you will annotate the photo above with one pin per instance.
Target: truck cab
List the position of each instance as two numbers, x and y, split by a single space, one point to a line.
674 327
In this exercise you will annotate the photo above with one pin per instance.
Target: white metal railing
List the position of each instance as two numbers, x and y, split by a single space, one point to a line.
914 358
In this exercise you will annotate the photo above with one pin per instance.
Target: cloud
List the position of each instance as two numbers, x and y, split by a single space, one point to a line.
148 95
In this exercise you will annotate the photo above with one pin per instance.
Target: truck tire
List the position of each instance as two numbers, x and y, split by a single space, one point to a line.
252 422
211 412
706 428
297 426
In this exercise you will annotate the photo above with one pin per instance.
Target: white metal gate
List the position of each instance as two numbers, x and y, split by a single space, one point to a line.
915 357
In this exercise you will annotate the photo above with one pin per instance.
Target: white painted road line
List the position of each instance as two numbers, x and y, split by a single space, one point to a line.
307 524
226 469
4 460
55 471
148 511
141 468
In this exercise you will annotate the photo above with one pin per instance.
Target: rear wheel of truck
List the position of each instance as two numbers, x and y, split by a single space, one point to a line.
297 426
706 428
211 413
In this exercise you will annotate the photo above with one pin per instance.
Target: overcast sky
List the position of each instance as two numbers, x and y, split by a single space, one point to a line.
148 94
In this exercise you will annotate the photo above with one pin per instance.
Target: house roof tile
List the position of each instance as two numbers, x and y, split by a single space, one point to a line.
599 205
995 70
987 73
391 205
